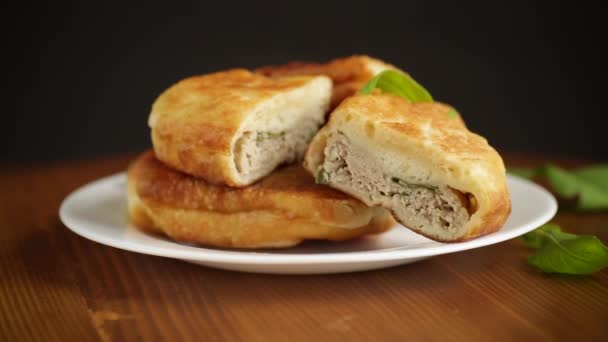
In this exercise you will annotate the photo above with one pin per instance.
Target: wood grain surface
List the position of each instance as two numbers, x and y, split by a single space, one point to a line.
55 285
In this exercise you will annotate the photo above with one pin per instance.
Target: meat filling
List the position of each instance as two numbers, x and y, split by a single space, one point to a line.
436 210
258 153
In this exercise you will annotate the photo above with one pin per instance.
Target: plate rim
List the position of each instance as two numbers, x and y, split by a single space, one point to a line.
252 257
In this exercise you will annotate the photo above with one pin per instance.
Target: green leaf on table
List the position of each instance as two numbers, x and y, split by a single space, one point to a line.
538 237
398 83
597 174
589 184
591 194
560 252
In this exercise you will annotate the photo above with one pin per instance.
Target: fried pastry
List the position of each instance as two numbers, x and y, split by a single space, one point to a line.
281 210
418 160
234 127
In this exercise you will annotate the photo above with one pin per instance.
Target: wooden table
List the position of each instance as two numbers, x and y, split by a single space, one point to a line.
55 285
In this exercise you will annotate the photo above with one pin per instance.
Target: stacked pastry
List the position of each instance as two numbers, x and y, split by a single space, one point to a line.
226 169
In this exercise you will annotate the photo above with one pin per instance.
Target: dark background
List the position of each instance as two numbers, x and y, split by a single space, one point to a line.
82 77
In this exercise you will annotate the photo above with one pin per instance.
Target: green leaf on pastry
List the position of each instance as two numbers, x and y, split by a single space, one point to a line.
398 83
452 113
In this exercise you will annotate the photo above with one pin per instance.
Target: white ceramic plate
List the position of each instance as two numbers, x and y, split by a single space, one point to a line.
97 211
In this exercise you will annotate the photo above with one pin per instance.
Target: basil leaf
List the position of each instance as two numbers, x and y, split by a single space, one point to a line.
591 196
589 184
581 255
452 113
537 238
597 174
269 135
560 252
398 83
322 177
370 85
403 183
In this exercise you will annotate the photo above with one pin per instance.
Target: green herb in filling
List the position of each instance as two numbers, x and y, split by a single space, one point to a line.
269 135
322 177
406 184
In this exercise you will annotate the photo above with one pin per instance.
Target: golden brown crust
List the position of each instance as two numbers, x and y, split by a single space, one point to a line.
195 122
349 74
280 211
424 131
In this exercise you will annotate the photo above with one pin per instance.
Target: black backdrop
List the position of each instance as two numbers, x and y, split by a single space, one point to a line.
528 76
